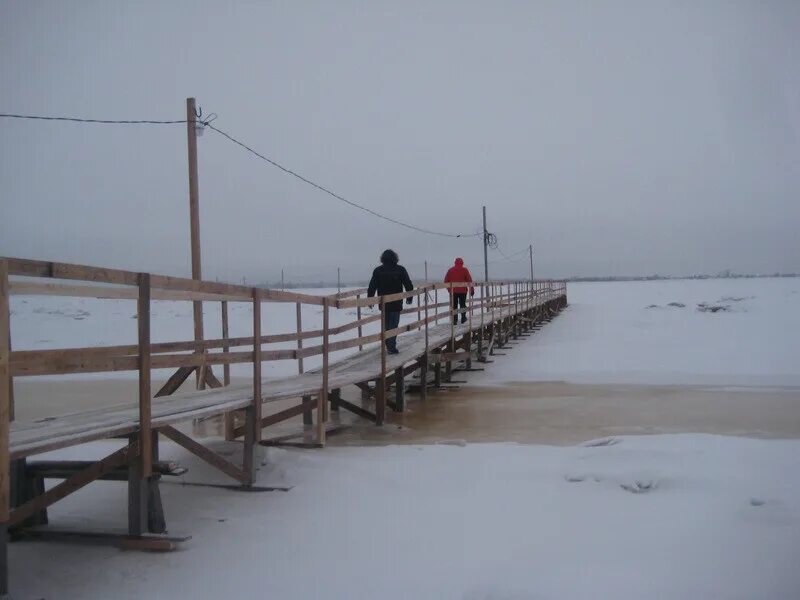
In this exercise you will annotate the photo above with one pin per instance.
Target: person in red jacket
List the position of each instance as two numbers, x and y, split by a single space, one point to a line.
458 273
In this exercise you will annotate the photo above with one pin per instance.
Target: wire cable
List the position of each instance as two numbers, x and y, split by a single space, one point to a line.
334 194
207 123
510 257
101 121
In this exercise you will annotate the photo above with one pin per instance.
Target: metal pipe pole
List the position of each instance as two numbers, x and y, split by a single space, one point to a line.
485 248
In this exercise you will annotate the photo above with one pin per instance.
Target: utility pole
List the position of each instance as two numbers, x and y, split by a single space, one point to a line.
426 271
194 221
485 248
283 287
531 251
339 280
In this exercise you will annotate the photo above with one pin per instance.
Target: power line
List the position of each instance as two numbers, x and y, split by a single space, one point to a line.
100 121
207 123
510 257
335 195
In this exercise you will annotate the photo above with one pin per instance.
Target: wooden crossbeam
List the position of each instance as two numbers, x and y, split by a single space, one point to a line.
74 483
357 410
203 453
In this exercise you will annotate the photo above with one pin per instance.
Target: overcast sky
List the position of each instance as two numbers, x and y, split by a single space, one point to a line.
617 137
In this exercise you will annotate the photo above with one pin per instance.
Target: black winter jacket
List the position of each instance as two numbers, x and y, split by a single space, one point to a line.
390 279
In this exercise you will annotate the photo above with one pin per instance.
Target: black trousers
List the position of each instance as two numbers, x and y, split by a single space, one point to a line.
459 300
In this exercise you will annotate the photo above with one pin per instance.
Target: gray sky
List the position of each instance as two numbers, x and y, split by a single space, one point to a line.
618 137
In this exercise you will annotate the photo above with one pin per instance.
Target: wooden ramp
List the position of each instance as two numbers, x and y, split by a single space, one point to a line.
499 311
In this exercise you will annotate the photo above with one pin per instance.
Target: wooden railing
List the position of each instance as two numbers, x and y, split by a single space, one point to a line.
503 297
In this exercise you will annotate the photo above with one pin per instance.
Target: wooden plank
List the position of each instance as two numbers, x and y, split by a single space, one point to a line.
145 432
105 292
56 270
350 293
144 542
352 343
357 324
74 483
5 396
268 295
203 453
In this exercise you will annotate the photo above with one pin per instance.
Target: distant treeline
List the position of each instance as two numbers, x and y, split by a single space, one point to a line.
291 285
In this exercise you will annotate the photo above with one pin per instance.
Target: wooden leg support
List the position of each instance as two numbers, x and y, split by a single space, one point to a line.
156 523
380 402
334 397
423 378
137 495
308 417
400 391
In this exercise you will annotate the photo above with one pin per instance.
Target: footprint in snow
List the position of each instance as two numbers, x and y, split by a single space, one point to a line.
639 486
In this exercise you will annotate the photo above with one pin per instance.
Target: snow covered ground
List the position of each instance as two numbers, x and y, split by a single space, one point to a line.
627 332
683 516
661 516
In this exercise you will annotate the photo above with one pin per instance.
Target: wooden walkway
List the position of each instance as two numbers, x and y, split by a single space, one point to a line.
429 345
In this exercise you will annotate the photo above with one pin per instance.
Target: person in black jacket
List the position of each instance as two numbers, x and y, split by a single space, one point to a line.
390 278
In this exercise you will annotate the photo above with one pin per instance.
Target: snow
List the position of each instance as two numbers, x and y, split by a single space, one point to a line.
609 335
660 516
681 516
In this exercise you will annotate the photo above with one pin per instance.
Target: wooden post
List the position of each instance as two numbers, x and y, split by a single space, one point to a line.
423 369
448 368
358 317
299 314
226 370
257 363
5 404
470 304
380 384
145 431
322 400
400 390
194 221
229 419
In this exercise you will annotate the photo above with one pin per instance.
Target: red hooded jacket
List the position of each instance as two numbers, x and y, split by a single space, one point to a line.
459 274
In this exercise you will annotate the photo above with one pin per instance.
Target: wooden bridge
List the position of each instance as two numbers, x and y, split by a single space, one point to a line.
430 345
